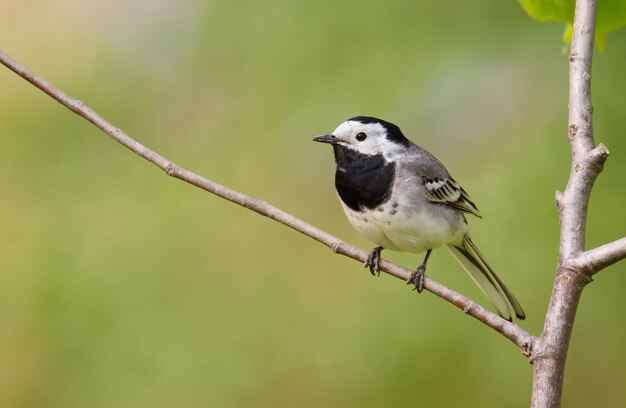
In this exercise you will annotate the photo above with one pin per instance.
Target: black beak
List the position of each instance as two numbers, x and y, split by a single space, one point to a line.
329 138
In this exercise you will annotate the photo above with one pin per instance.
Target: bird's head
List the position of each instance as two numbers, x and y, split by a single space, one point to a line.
369 136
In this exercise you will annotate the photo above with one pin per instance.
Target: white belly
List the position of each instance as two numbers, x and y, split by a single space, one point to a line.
406 227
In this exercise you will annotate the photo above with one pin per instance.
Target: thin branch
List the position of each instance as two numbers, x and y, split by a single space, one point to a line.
594 260
511 331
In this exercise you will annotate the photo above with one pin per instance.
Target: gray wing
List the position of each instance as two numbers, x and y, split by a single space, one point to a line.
440 186
447 191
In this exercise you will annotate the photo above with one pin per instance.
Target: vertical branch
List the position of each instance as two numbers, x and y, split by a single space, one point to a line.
550 352
573 202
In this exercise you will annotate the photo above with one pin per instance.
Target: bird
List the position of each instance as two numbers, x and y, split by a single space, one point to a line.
402 198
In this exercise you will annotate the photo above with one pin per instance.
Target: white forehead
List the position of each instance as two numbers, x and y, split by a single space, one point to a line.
352 127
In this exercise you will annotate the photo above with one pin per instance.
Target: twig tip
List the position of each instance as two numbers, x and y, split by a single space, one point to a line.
558 197
602 149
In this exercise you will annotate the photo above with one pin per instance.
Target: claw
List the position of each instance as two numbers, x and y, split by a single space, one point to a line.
373 261
417 278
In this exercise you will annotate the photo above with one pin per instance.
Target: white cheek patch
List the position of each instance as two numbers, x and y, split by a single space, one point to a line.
376 142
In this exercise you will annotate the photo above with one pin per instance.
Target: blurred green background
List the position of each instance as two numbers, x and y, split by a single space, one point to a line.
124 288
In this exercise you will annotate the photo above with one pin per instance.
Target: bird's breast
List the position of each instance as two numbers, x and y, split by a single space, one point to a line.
408 222
362 181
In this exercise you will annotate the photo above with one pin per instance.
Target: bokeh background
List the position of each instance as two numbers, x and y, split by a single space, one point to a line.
121 287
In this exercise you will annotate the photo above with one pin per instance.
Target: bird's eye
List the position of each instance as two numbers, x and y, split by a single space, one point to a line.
361 136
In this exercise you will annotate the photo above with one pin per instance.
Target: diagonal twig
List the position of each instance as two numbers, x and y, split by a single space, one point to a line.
514 333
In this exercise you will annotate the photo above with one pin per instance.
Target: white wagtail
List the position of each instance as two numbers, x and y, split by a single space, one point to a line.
401 197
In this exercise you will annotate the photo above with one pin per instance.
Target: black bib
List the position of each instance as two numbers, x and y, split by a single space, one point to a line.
362 181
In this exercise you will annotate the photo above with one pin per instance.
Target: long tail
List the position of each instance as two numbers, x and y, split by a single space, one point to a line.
475 264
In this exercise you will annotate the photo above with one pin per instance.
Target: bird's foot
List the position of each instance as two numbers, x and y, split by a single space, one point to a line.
417 278
373 261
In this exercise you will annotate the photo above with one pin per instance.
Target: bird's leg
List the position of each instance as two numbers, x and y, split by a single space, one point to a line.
373 261
417 277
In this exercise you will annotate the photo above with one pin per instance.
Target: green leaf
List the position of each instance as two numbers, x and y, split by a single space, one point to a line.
550 10
611 15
